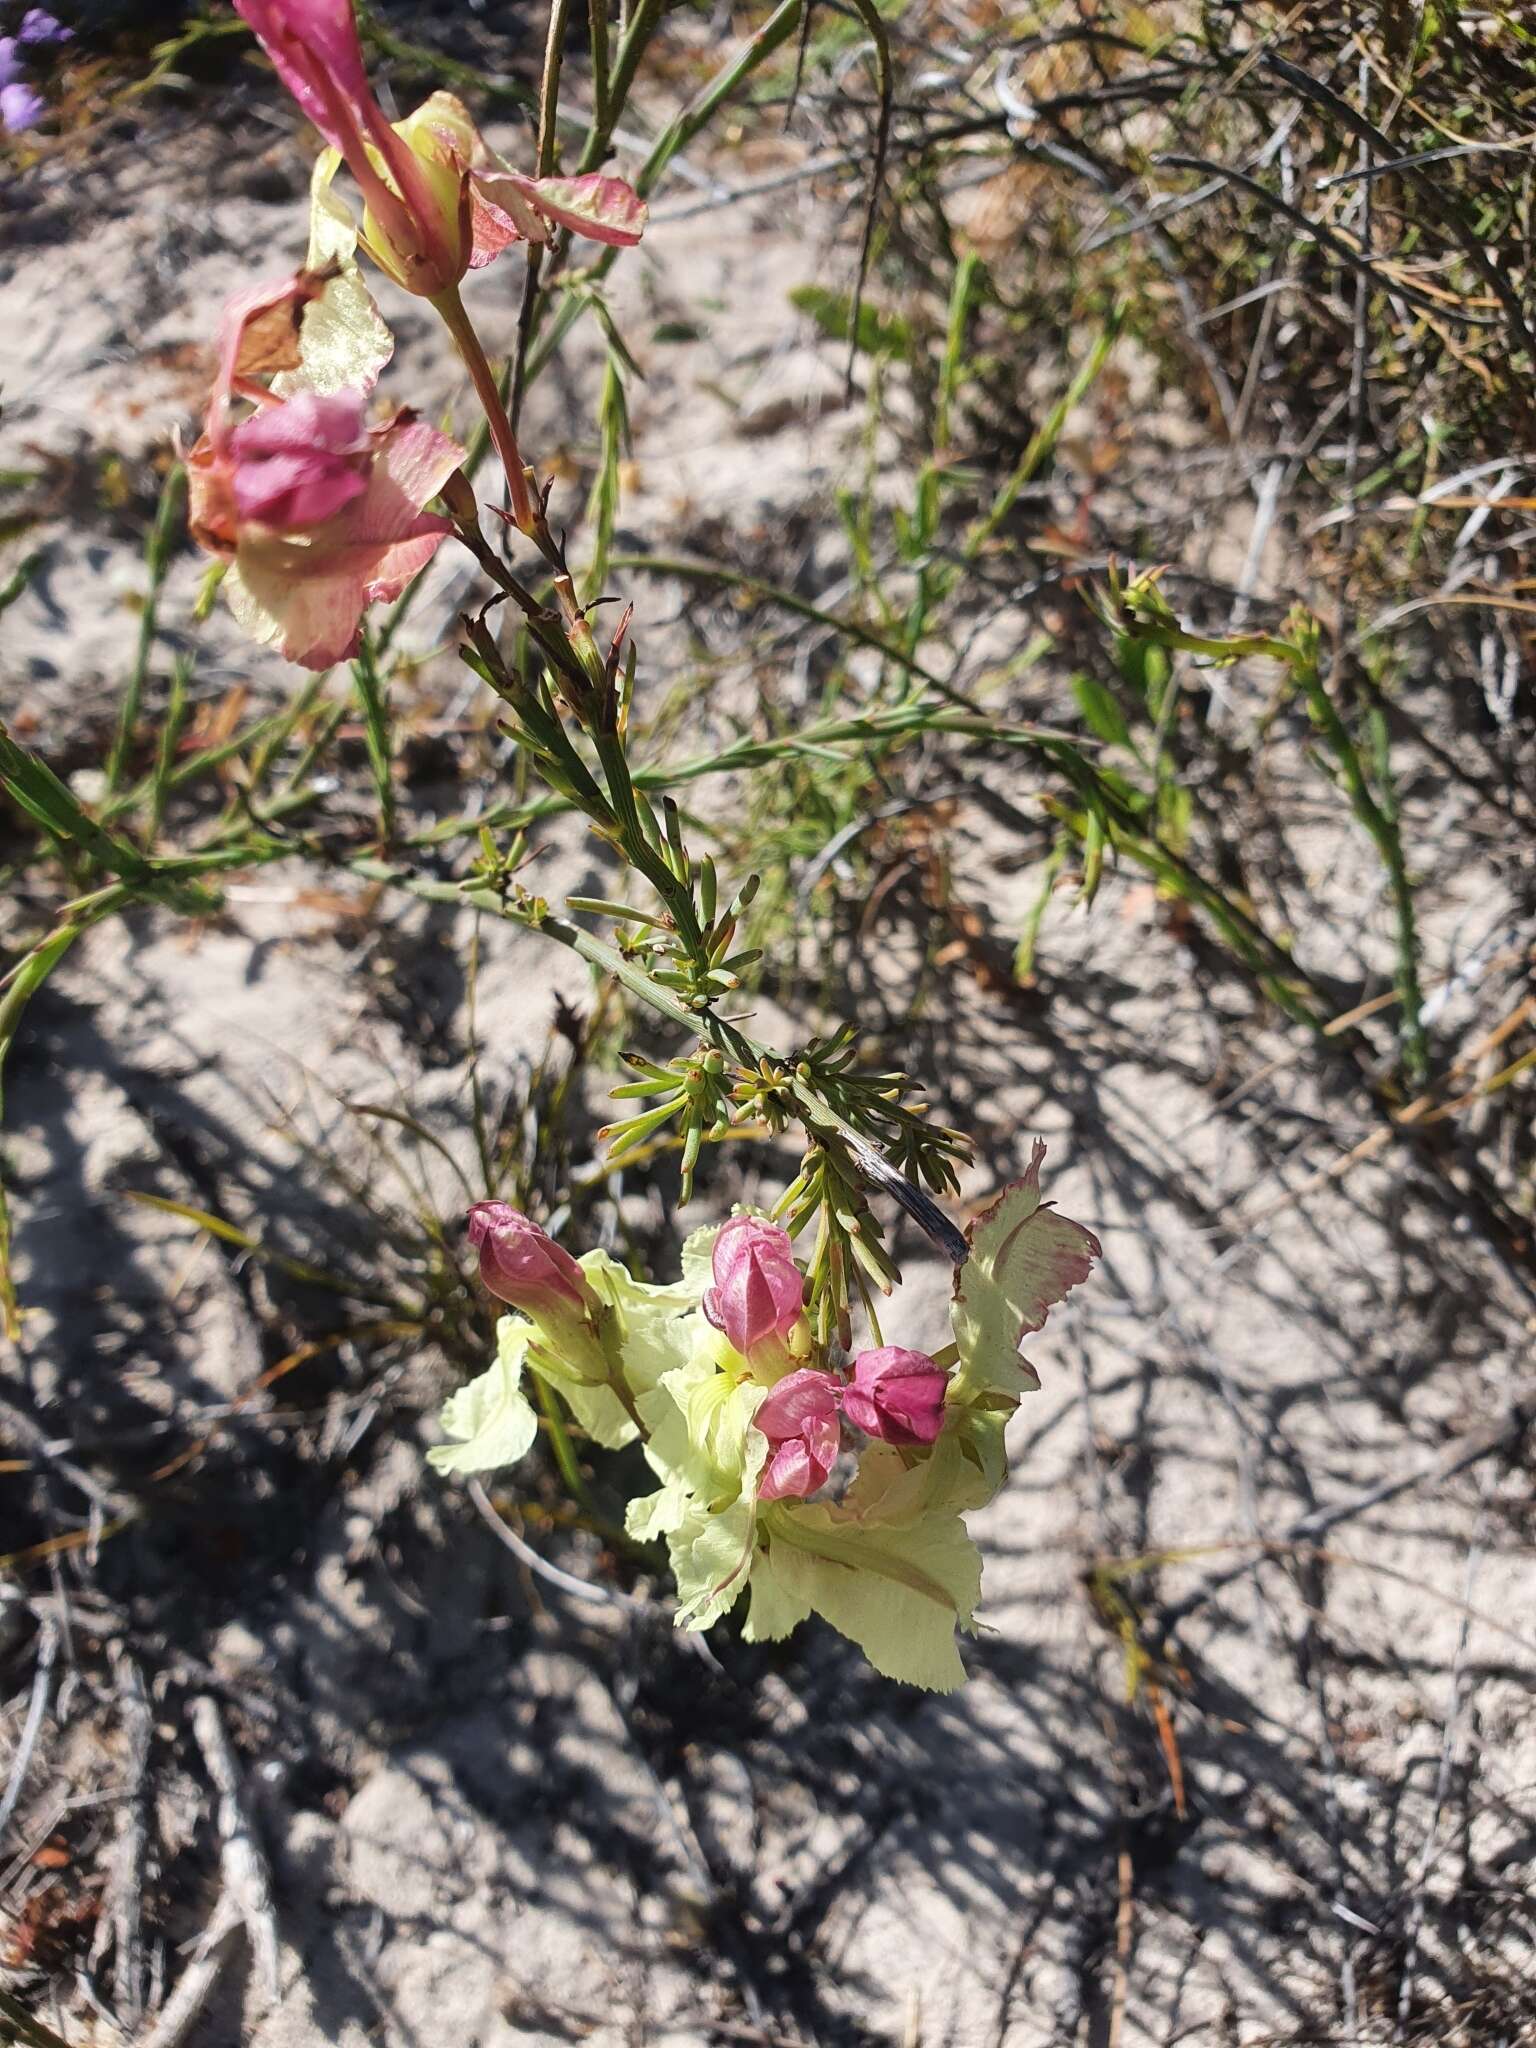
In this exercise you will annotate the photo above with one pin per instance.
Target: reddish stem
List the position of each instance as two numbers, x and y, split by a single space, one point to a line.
451 307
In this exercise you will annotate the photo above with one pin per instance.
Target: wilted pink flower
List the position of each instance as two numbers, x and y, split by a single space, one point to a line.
896 1394
39 26
307 592
758 1290
438 202
299 463
416 221
799 1419
20 107
522 1265
508 205
318 516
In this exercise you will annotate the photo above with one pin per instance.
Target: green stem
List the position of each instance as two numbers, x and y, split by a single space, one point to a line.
1237 648
884 723
158 558
591 948
564 1449
817 1114
373 695
549 108
643 24
20 581
1381 826
19 987
597 30
1043 441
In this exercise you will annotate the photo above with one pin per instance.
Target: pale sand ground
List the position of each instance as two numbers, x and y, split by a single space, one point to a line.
497 1818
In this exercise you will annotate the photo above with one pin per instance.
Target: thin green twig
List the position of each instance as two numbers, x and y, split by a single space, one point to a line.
162 540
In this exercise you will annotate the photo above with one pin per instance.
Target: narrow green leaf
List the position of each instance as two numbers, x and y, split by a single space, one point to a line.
373 696
157 559
878 333
1101 712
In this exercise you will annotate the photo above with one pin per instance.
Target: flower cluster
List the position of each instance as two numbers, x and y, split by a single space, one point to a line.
786 1471
318 509
749 1428
21 104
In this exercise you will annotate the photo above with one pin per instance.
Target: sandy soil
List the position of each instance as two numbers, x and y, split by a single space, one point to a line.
496 1813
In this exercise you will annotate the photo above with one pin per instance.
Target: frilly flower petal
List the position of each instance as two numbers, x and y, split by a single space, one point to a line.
308 595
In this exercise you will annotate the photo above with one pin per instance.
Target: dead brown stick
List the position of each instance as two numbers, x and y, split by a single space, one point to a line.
247 1881
36 1442
31 1728
1125 1920
120 1922
197 1980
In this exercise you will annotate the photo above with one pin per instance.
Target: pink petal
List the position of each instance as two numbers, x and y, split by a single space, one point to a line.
333 422
298 464
603 209
897 1394
413 464
318 598
492 228
245 322
823 1439
861 1411
315 47
789 1474
290 493
758 1291
310 41
800 1398
916 1411
318 590
211 517
404 559
1047 1250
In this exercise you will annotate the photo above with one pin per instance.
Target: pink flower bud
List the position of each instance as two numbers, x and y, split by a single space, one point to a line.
523 1265
417 209
897 1395
758 1292
799 1419
297 464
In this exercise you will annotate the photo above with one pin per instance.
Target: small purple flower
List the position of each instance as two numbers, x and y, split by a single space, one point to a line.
10 60
20 107
39 26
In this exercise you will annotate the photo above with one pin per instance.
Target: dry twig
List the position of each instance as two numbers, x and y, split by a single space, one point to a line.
247 1881
122 1903
47 1656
